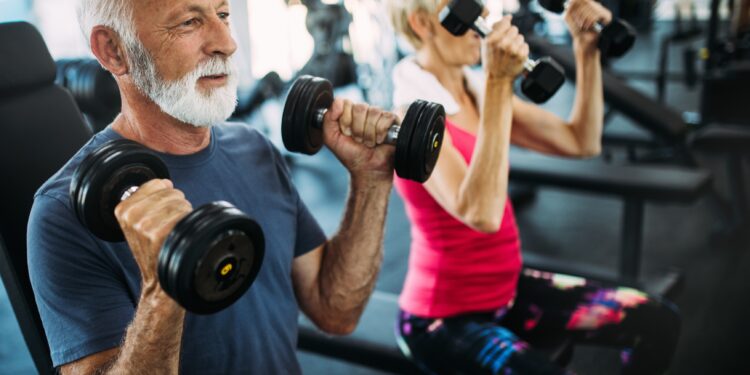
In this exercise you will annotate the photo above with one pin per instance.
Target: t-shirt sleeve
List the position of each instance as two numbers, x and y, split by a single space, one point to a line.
82 299
309 233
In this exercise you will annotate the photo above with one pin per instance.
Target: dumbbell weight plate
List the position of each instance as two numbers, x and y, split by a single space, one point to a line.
554 6
543 81
430 139
299 129
100 180
616 38
403 142
452 23
211 257
420 140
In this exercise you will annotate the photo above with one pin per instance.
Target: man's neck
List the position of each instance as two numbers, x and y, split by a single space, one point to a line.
141 120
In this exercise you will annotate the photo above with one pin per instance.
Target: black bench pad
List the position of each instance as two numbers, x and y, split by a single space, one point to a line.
646 112
372 344
669 184
628 138
723 138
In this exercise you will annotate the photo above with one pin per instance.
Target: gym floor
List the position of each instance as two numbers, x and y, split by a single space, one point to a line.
569 226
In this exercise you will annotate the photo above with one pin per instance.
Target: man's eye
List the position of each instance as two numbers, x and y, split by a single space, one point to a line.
189 22
224 15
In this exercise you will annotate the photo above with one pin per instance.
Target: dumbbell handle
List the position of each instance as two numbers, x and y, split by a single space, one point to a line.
128 192
390 138
481 27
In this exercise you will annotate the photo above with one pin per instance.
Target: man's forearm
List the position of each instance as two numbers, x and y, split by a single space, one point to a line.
352 258
153 339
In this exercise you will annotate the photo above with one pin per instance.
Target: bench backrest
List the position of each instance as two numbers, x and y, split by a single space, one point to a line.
40 129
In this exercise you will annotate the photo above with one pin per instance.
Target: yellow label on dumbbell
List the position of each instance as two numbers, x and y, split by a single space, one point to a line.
436 144
227 269
704 54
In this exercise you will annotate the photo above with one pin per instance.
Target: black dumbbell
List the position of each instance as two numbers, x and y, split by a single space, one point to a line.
211 256
93 88
543 77
615 38
418 138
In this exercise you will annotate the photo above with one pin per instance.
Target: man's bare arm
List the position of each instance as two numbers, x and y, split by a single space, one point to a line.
334 281
152 341
151 346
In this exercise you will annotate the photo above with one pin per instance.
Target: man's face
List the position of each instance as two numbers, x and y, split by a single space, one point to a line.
182 60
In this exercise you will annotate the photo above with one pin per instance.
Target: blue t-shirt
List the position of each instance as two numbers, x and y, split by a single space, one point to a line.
87 289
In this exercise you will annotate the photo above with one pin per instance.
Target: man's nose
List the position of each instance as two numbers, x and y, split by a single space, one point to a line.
220 40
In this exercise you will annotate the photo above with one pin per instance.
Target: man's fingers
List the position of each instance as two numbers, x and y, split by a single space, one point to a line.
370 132
143 192
345 121
158 226
359 116
387 119
337 109
128 213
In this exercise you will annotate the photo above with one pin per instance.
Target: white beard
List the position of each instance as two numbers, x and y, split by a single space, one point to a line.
181 98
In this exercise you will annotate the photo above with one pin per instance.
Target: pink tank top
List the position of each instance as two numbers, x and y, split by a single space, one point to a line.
454 269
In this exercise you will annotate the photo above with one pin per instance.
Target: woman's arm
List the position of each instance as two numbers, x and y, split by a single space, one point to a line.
540 130
475 194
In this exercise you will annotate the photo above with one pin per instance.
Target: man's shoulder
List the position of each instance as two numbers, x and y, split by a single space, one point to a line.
239 132
58 185
245 138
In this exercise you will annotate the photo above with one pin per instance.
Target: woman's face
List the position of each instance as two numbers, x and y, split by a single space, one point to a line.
454 50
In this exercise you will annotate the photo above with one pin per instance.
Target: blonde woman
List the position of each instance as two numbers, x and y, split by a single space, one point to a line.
467 306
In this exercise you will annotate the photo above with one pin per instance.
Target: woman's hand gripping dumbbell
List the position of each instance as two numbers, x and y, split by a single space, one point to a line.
542 78
418 138
615 36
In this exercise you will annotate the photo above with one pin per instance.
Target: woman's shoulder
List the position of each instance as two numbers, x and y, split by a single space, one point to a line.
411 82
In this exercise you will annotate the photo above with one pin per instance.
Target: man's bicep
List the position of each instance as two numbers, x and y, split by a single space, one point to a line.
93 364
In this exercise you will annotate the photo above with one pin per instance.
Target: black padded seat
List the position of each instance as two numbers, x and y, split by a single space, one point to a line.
722 138
646 112
634 184
40 129
628 139
373 343
733 142
667 183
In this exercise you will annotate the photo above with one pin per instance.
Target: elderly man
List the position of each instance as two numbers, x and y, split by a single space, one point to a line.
101 303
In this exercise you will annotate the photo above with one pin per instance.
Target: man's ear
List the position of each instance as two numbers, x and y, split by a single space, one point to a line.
108 49
422 25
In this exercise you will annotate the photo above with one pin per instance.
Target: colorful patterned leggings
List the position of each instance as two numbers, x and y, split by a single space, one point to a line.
548 308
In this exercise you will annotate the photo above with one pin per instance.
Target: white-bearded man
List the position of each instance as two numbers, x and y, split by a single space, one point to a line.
101 304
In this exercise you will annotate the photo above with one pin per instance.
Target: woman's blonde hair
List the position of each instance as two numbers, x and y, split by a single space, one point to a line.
400 11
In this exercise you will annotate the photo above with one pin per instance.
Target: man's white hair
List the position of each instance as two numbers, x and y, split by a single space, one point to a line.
178 98
115 14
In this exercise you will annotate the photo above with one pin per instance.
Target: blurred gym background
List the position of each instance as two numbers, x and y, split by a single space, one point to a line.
678 100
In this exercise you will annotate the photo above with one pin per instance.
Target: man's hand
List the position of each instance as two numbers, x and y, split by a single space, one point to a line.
581 15
147 217
152 341
355 133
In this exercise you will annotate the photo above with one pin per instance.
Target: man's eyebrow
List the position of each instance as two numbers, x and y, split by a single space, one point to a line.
194 8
